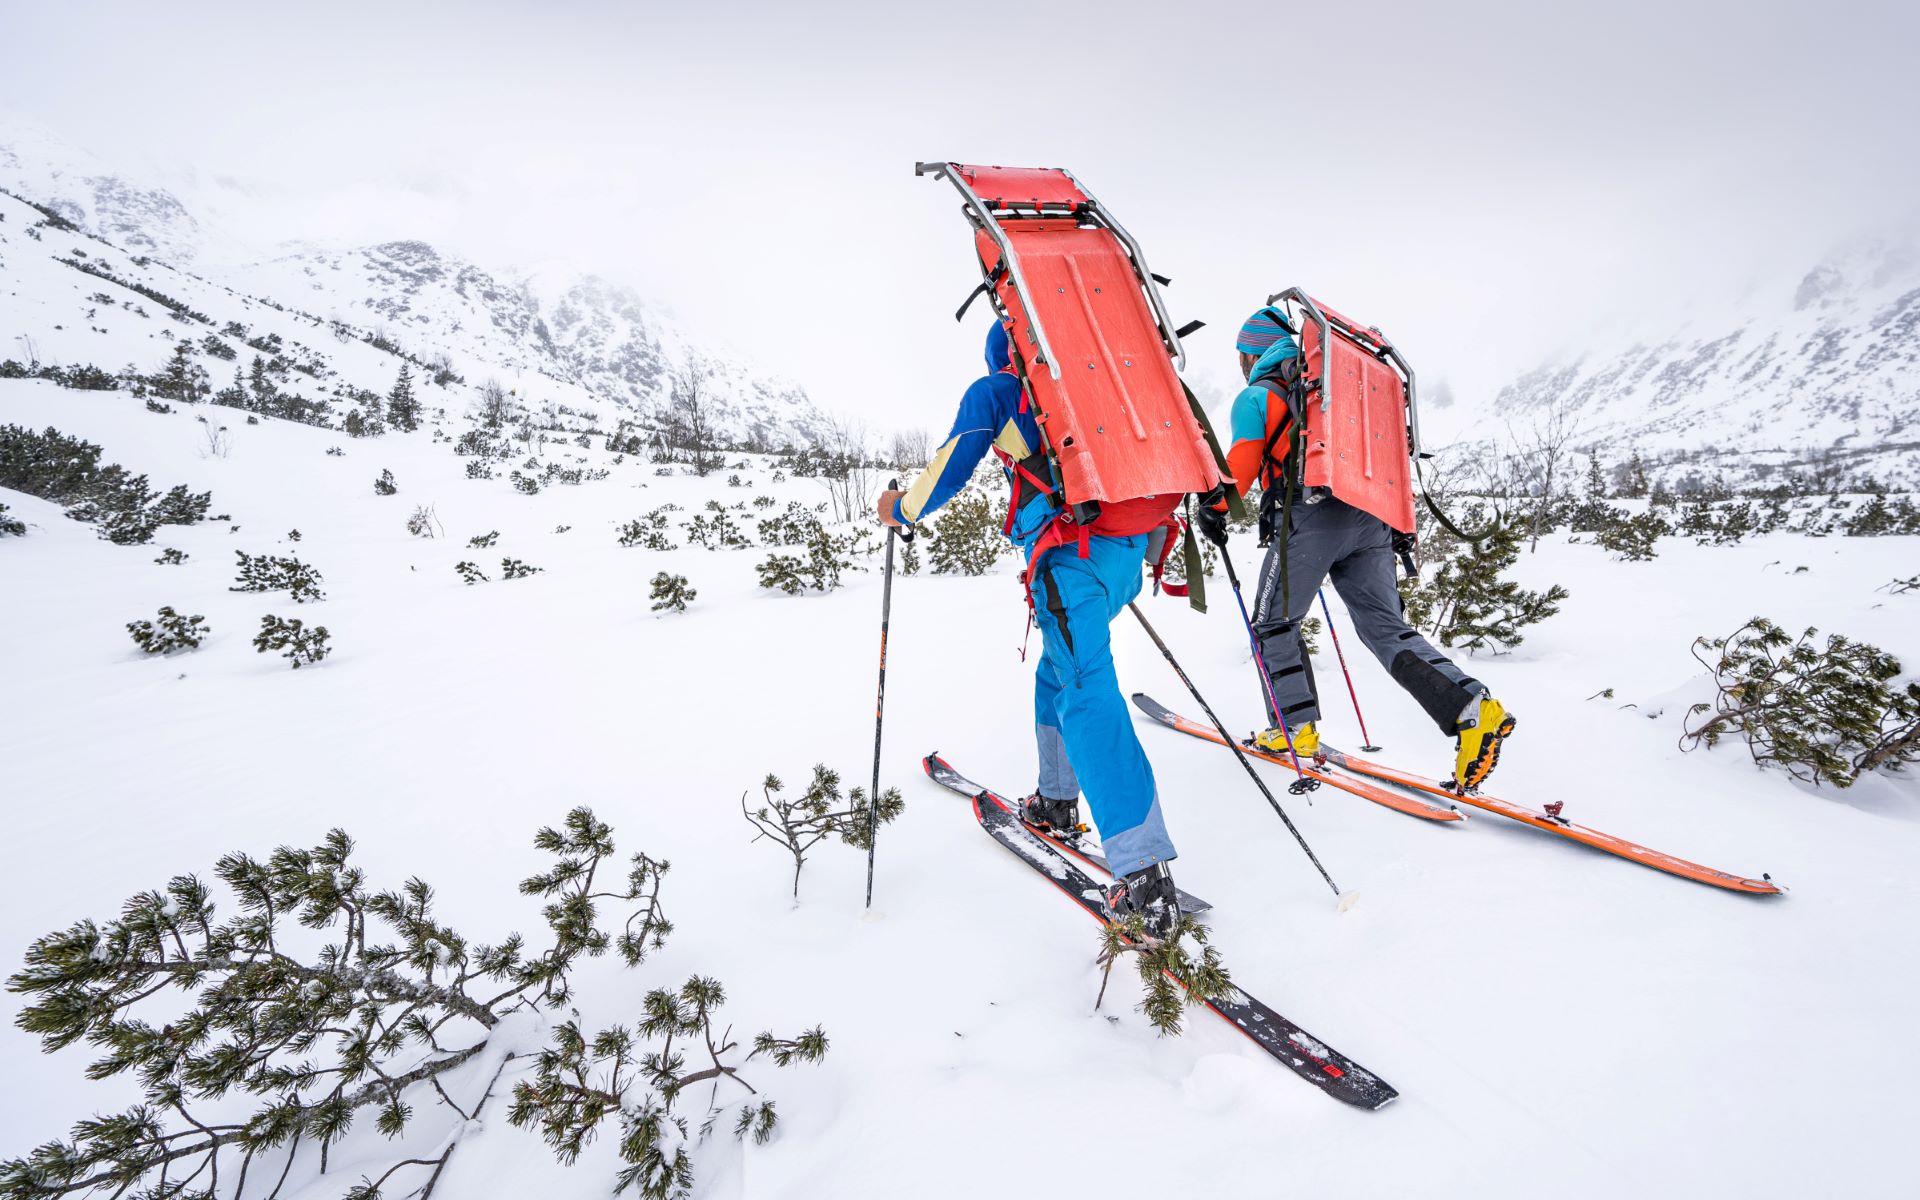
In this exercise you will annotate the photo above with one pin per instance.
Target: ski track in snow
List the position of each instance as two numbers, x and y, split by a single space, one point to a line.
1558 1022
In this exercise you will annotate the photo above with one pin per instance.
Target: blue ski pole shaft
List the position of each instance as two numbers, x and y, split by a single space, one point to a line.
1346 674
1301 785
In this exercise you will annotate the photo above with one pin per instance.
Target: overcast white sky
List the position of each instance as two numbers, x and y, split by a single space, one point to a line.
1485 181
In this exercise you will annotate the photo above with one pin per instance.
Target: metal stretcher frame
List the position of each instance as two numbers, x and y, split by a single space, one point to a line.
1074 288
1090 207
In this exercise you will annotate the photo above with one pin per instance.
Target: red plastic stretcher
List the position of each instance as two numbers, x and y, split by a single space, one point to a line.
1362 429
1092 341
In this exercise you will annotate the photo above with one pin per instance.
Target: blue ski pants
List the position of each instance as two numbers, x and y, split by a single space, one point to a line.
1082 723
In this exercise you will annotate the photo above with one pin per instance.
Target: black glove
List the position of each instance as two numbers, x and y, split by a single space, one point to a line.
1212 520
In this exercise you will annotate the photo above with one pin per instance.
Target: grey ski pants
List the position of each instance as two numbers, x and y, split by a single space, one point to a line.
1331 539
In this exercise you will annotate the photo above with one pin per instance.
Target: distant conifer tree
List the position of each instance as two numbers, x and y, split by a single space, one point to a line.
403 411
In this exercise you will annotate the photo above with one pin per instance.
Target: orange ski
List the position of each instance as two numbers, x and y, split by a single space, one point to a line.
1553 823
1412 806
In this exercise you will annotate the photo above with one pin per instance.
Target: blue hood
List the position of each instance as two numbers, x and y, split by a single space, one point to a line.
997 358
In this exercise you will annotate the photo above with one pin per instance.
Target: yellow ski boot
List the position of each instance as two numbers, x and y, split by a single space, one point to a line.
1478 745
1306 740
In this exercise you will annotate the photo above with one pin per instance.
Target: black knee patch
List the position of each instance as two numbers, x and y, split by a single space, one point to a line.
1442 698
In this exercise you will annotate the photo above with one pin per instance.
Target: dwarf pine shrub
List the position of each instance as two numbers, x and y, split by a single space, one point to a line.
966 538
1825 712
384 485
817 570
671 593
169 632
1633 538
269 573
796 526
716 532
1198 966
423 523
68 471
797 824
1877 518
1469 605
649 531
293 639
257 1043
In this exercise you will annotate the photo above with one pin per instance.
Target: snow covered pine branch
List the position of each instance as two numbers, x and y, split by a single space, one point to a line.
325 1001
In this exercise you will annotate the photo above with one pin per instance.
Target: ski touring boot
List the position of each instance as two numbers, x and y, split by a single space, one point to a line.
1057 816
1477 748
1150 893
1306 740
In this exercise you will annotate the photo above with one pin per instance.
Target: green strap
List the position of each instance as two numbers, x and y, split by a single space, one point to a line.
1290 474
1194 564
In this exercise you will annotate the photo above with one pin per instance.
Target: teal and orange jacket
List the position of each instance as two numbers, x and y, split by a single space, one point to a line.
1258 411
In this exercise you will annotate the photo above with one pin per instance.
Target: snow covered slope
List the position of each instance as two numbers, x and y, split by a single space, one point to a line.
572 338
70 298
580 330
1559 1022
1815 372
140 215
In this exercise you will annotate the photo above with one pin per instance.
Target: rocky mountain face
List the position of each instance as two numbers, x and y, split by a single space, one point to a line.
1820 377
602 341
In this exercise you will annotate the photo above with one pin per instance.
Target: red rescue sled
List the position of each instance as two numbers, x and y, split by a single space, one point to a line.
1362 429
1092 341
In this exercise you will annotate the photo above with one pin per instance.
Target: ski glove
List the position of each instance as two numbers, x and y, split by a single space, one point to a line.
1210 515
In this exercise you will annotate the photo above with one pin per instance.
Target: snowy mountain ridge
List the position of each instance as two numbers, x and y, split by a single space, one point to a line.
586 340
1818 374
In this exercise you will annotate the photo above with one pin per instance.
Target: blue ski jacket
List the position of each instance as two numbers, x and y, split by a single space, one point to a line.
989 415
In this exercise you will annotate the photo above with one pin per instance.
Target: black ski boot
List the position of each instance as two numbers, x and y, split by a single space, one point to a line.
1060 816
1149 892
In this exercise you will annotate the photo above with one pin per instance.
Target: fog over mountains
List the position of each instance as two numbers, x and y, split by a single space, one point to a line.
561 335
1817 372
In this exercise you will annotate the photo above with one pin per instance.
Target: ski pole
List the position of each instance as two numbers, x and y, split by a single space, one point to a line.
880 698
1301 785
1235 747
1352 695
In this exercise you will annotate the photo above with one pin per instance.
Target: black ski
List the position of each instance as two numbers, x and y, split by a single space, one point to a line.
1073 846
1311 1059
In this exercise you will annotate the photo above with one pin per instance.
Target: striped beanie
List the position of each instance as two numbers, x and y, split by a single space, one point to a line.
1262 330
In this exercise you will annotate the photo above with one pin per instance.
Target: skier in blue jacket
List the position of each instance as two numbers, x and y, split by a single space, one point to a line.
1081 723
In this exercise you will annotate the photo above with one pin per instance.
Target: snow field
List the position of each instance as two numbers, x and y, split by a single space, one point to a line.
1558 1021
